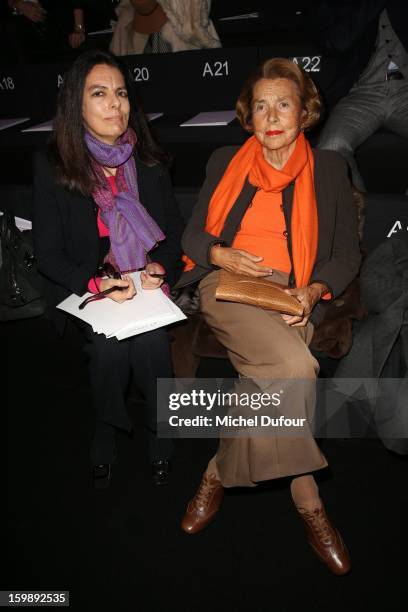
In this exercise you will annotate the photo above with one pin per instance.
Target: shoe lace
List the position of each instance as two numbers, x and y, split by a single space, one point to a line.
204 491
320 525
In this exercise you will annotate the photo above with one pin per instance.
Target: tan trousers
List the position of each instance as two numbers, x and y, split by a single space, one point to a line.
263 347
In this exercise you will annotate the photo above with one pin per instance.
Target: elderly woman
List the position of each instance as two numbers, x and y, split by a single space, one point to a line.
102 196
273 208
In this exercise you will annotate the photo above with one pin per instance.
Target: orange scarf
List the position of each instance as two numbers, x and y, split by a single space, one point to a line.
249 162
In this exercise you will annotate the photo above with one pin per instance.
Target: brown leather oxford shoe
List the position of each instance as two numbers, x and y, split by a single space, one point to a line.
325 540
202 509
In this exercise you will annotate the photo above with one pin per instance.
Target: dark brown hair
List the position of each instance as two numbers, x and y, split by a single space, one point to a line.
67 144
280 68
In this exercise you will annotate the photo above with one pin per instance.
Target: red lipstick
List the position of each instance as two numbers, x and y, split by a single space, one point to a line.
274 132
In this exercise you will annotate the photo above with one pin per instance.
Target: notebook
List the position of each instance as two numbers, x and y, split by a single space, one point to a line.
148 310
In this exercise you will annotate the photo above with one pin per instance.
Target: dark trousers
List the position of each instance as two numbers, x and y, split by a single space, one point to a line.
112 364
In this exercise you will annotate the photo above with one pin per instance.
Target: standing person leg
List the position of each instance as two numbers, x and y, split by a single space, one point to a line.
397 110
151 359
354 118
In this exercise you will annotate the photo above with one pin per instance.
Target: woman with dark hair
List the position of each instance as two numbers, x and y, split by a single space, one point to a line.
273 208
103 197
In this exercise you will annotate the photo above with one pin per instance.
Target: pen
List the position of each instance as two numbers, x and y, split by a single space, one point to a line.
155 274
101 294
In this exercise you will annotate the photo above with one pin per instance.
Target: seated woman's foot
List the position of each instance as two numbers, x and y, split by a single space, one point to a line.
325 540
205 504
101 475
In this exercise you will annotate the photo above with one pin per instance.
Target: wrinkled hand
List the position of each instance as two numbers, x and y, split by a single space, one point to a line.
76 39
238 261
33 11
124 294
308 297
151 282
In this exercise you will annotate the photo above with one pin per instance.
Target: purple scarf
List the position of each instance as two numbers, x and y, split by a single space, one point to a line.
133 232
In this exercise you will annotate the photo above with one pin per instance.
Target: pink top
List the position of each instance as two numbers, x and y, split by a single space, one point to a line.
102 228
103 231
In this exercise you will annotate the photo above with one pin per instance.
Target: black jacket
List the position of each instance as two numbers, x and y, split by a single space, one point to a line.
346 32
338 254
65 230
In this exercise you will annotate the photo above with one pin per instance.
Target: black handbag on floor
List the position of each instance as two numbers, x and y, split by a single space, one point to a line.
20 285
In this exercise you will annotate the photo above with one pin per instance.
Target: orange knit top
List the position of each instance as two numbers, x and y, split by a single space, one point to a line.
263 231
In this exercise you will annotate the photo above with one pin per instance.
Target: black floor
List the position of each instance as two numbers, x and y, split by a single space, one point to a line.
122 548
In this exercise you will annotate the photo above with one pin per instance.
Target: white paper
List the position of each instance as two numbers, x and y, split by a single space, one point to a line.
40 127
210 118
22 224
237 17
153 116
7 123
148 310
107 31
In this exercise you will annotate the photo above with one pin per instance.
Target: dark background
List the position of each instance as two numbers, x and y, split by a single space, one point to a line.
122 549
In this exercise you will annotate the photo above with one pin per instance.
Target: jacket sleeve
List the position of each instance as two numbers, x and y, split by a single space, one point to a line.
196 242
48 233
168 253
344 263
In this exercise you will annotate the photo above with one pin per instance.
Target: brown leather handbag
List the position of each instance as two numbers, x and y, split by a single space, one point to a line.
256 292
